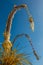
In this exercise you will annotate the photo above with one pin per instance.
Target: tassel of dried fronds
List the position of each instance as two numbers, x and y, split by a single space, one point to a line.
14 59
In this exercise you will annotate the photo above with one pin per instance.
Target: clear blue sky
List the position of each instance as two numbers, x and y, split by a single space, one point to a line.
21 24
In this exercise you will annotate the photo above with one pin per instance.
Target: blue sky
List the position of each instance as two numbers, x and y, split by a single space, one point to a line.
21 24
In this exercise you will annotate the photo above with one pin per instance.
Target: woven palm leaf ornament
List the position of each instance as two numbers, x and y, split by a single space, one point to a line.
9 56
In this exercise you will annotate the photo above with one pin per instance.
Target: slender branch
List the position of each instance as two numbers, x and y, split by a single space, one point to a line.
26 35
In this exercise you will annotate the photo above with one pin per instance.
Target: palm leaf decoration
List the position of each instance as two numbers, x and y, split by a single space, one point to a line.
9 56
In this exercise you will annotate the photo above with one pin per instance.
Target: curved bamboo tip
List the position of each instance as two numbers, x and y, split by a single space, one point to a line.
22 5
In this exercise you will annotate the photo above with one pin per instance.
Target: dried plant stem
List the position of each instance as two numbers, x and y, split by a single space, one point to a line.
28 37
